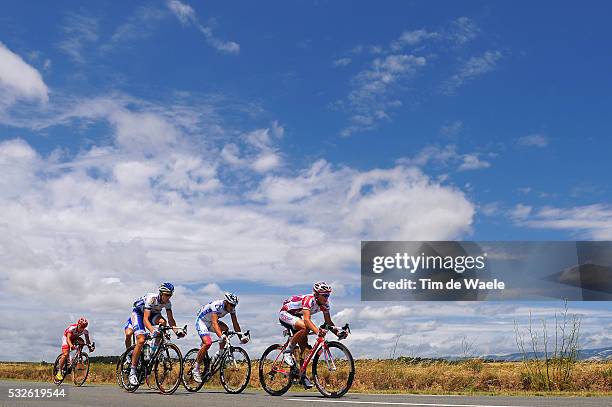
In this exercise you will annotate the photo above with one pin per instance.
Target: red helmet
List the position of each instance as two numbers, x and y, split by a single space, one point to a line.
83 322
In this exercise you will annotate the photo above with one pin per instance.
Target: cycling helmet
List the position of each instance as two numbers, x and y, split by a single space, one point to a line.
83 322
321 287
166 288
231 298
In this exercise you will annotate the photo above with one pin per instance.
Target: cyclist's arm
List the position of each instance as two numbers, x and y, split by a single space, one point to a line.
329 321
214 322
87 339
235 323
308 322
171 320
147 322
69 340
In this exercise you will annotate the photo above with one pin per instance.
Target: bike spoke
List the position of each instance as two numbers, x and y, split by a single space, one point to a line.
235 370
334 370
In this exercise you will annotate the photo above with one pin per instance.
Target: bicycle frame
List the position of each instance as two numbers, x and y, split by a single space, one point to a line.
226 350
165 339
320 343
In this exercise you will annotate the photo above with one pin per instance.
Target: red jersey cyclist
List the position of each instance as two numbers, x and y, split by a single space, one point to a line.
70 340
296 315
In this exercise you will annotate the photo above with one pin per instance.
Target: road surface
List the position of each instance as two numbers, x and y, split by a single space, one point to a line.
108 395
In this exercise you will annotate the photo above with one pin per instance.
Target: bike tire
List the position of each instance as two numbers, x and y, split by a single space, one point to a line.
77 381
156 370
350 377
55 369
126 361
243 386
187 377
263 374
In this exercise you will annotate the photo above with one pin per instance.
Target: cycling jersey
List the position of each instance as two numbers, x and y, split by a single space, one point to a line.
296 305
74 333
151 302
213 307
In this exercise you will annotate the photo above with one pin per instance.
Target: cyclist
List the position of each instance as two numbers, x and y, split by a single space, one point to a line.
70 340
207 320
146 314
295 315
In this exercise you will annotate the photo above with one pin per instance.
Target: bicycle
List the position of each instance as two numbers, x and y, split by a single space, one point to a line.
166 364
78 365
233 365
333 373
148 380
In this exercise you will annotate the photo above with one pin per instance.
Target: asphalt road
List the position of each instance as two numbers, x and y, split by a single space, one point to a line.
107 395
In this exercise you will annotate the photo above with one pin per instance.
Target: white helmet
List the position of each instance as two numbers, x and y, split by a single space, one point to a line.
321 287
231 298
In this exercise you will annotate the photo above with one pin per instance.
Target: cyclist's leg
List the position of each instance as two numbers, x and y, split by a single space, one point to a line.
65 352
204 334
224 329
297 326
139 330
129 332
157 319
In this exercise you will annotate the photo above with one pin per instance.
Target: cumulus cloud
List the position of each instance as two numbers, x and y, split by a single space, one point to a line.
19 80
533 140
188 17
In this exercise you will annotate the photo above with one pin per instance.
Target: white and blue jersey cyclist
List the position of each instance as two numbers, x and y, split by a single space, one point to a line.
208 320
147 313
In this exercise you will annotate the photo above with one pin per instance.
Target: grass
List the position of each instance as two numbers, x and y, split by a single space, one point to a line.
472 376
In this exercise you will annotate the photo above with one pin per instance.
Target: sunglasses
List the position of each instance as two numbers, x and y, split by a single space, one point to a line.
324 295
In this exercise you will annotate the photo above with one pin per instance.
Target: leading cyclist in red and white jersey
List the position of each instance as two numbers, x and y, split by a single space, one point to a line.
70 340
296 313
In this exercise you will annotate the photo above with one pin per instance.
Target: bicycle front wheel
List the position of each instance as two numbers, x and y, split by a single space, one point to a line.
80 369
56 369
168 369
235 370
333 370
274 374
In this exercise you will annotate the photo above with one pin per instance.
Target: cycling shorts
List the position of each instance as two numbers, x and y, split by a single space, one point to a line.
288 320
138 323
202 327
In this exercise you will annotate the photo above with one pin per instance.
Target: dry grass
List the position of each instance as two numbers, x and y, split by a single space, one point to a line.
399 376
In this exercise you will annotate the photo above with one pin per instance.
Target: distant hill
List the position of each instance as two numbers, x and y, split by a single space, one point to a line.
584 354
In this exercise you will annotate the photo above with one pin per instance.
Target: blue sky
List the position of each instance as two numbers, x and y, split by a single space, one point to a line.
142 140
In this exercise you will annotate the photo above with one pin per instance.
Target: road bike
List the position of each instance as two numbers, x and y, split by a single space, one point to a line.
164 361
333 367
233 365
77 365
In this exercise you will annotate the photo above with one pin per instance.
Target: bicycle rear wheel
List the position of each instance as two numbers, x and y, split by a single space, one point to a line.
168 369
333 370
235 370
274 374
126 364
188 363
56 369
80 369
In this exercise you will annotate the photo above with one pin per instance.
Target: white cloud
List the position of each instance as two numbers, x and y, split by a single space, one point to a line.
452 129
187 16
591 221
473 67
463 30
342 62
19 80
373 88
184 12
80 31
445 156
473 162
533 140
412 38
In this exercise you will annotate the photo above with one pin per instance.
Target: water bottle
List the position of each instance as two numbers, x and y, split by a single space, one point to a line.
147 351
153 349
